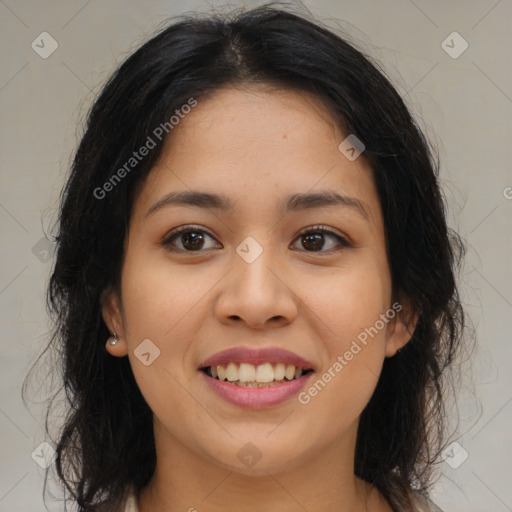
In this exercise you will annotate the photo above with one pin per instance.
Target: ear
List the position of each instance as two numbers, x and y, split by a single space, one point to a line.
401 327
112 315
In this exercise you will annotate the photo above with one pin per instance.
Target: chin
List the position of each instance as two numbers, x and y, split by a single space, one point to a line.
255 455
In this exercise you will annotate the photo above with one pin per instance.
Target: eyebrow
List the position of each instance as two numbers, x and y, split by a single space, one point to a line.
291 203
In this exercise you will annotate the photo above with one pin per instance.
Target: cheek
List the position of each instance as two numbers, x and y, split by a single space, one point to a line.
158 297
347 302
348 309
160 304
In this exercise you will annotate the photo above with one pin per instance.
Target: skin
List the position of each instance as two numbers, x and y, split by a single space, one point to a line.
255 146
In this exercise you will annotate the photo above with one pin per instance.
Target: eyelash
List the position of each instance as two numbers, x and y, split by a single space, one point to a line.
343 242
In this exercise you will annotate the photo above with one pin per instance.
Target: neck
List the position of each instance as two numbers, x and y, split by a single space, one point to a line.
185 481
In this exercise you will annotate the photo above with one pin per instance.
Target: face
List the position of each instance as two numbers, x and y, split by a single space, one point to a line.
281 269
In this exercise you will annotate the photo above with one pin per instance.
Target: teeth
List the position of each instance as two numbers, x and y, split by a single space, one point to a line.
232 372
247 373
279 370
264 373
290 372
252 376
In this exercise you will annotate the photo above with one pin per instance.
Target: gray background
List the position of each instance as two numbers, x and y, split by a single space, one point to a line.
463 103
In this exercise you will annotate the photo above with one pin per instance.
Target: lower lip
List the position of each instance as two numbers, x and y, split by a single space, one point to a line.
256 398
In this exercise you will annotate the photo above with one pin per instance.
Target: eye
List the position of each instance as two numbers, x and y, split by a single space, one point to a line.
194 238
191 239
314 238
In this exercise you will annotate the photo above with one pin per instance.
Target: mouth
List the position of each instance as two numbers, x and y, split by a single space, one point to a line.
249 375
255 378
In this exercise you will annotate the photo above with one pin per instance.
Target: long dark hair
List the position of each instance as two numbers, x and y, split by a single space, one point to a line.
106 443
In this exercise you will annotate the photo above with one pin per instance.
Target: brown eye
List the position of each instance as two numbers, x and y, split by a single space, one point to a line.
314 240
188 239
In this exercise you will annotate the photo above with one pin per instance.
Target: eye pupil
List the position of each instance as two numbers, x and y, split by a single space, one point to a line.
316 239
195 239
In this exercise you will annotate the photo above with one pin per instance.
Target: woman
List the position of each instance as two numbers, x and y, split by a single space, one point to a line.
254 286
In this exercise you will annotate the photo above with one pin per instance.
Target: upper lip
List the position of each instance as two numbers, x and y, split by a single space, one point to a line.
256 356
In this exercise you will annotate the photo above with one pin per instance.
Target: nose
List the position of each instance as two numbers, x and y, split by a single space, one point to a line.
257 293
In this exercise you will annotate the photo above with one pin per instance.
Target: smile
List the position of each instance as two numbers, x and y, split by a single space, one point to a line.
256 378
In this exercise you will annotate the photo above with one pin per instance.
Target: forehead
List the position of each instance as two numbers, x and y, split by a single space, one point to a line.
234 118
258 144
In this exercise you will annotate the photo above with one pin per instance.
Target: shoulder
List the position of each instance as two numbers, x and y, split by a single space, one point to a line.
131 502
423 504
126 503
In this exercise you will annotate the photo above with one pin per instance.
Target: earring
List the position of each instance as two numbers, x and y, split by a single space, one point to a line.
113 340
